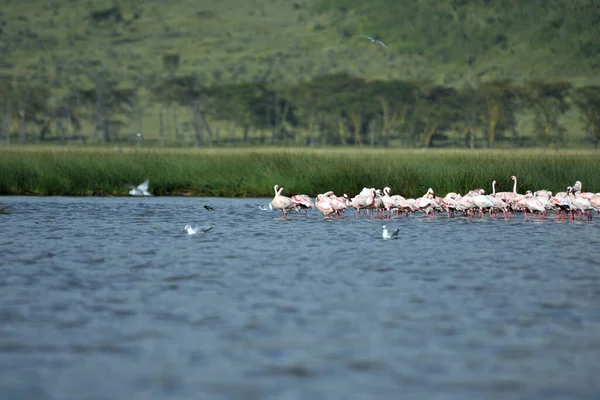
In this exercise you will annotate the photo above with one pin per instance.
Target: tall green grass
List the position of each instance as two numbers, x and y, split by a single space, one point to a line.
254 172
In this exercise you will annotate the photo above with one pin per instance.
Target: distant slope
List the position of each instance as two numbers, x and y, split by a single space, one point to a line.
452 42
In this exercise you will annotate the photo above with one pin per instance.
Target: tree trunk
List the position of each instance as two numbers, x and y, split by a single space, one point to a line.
207 126
168 125
342 130
100 109
357 124
22 134
196 126
429 135
7 121
70 119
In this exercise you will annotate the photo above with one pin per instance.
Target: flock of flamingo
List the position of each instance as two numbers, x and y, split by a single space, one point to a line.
380 203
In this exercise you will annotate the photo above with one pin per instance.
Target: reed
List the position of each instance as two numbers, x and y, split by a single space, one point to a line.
76 171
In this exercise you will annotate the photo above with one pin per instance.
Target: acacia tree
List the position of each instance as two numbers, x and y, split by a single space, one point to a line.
550 102
587 100
189 92
495 95
396 100
442 108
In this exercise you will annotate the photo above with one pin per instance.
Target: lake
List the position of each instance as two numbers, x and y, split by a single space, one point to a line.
108 298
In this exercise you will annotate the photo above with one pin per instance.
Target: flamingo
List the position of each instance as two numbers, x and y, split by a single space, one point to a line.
581 204
561 204
466 204
338 203
377 205
450 203
428 203
510 197
482 202
302 202
595 202
322 204
359 201
280 202
532 204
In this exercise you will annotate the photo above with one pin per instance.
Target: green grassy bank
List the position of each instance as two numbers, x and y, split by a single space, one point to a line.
253 172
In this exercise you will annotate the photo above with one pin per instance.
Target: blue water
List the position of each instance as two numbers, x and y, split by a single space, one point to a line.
107 298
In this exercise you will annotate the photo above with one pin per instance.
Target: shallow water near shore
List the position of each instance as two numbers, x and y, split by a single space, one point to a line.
109 298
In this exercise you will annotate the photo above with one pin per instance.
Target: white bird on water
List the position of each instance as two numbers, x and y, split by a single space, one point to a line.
373 40
140 190
266 208
387 235
197 229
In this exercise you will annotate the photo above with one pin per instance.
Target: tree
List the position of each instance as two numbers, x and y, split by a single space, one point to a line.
587 100
550 102
494 95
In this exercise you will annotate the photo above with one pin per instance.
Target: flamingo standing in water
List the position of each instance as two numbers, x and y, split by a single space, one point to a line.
530 203
450 203
324 205
561 204
428 203
359 201
581 204
595 202
338 203
302 202
280 202
510 197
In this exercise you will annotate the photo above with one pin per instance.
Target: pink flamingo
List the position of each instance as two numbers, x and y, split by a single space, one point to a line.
280 202
322 204
302 202
359 201
595 202
428 203
561 204
450 203
338 203
532 204
482 203
581 204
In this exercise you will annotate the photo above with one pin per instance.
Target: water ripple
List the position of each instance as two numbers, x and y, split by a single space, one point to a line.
111 290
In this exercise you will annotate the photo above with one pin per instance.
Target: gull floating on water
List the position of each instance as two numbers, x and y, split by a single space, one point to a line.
387 235
267 208
373 40
197 229
140 190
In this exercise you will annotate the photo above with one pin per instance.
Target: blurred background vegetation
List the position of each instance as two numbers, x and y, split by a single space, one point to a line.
457 73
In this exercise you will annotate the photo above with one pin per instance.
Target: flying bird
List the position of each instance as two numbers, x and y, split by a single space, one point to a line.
140 190
373 40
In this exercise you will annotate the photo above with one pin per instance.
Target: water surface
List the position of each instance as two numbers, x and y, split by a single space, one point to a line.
107 298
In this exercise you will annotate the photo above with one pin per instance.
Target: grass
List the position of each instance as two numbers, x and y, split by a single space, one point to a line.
36 170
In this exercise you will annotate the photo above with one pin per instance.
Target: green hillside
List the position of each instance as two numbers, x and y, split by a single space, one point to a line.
60 50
